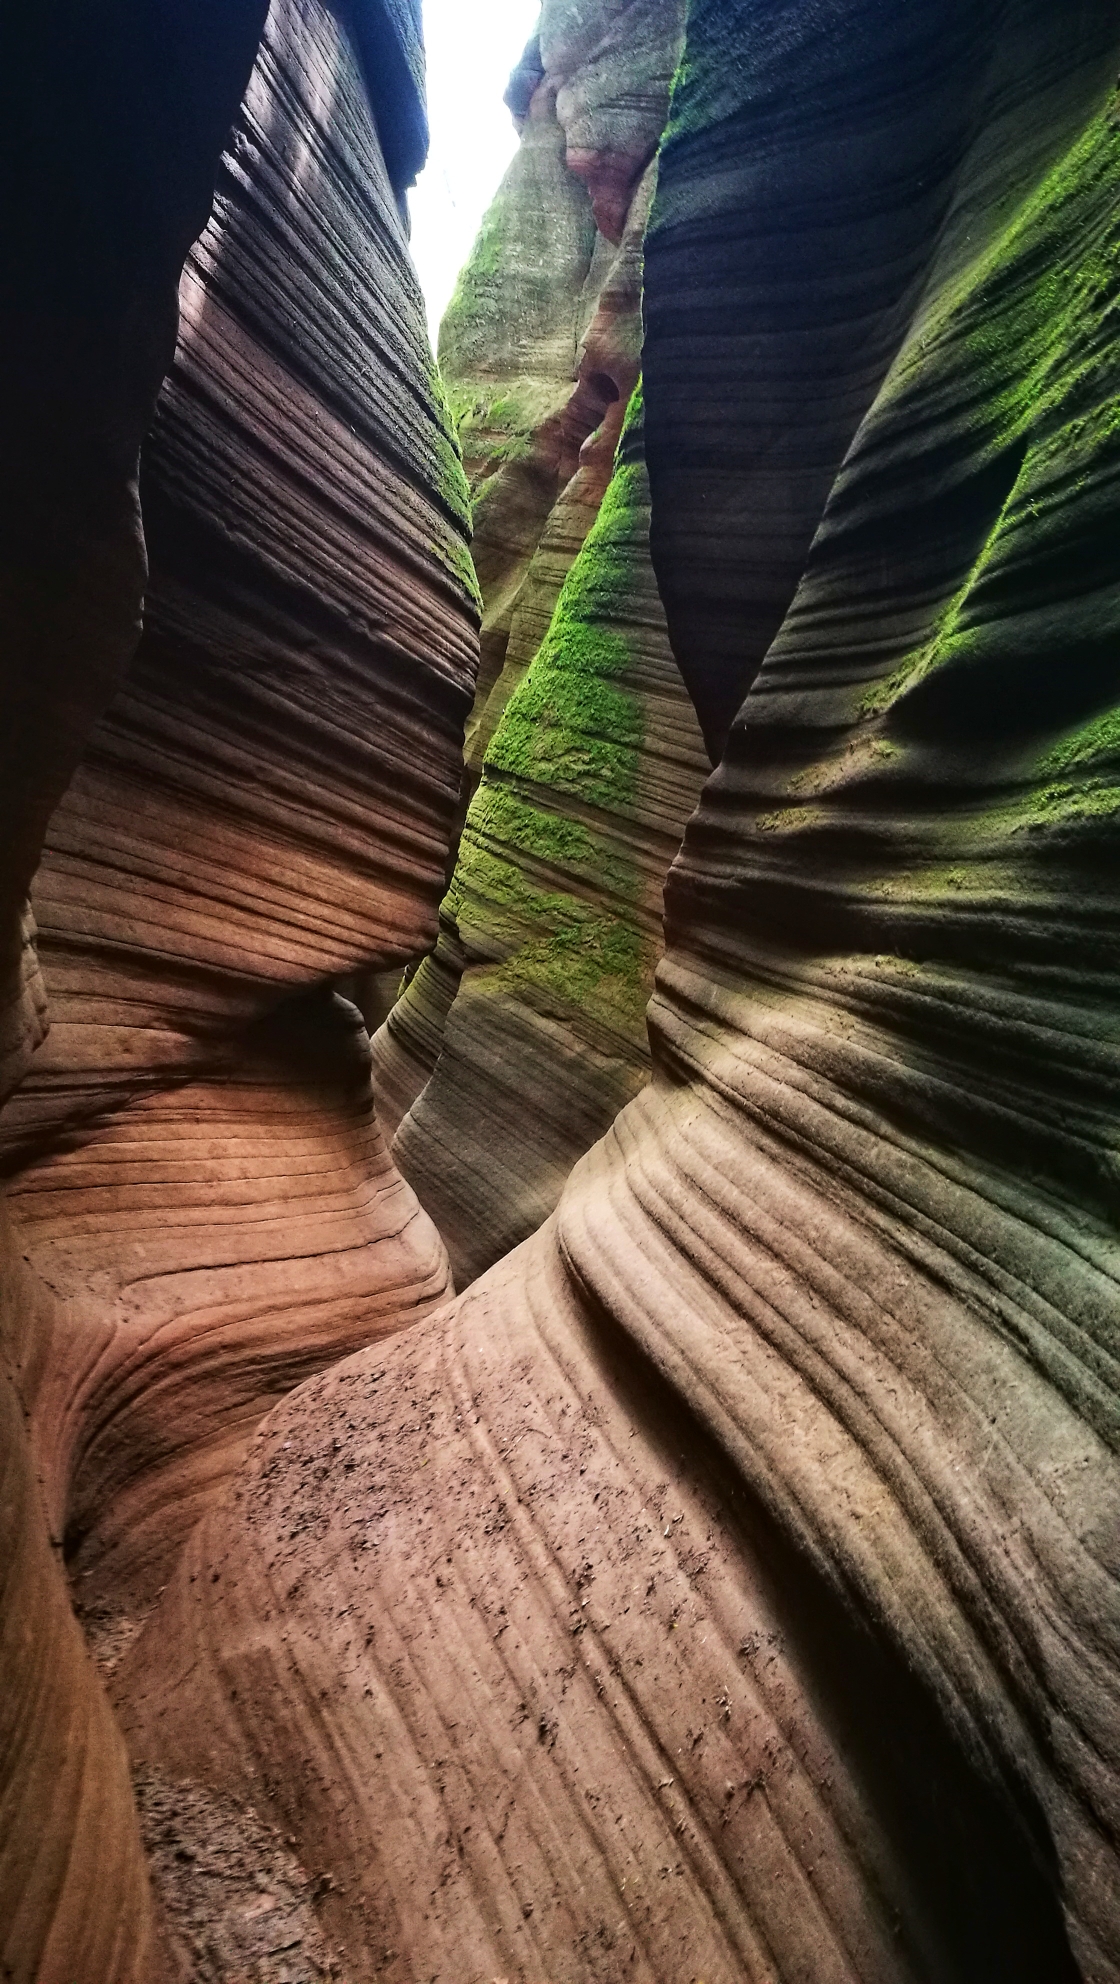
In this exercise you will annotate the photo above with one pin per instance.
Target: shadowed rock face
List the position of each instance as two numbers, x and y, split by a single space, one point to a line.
804 281
95 231
287 740
725 1586
201 1209
267 801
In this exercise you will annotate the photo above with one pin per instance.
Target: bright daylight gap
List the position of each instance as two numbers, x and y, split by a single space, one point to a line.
472 45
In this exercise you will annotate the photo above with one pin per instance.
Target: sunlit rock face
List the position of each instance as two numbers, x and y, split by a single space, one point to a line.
725 1585
540 347
551 929
611 65
200 1209
529 1016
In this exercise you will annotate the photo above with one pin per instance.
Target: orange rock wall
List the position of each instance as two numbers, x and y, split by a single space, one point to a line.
200 1209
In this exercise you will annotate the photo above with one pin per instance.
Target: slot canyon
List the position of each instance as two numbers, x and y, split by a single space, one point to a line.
560 1002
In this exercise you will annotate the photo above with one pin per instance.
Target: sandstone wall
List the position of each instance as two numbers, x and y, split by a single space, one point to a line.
725 1586
200 1207
516 1042
551 929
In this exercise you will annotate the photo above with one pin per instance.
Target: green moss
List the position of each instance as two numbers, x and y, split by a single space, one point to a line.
474 290
947 637
571 723
455 558
502 884
1034 317
580 953
1031 312
447 460
631 446
716 76
495 423
897 967
1059 805
594 965
507 410
574 730
1090 741
918 664
483 490
691 106
508 819
790 819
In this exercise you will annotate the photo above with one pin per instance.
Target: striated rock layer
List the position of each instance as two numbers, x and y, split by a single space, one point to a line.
202 1210
95 231
508 354
266 804
268 799
726 1585
517 1041
536 992
540 346
214 1244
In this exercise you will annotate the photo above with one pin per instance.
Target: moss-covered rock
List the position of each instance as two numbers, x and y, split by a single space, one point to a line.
585 745
534 1001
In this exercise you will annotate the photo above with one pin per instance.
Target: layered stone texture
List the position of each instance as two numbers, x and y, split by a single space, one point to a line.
94 235
806 285
214 1244
269 797
516 1042
95 231
201 1210
609 365
535 995
540 347
74 1897
611 67
508 353
726 1585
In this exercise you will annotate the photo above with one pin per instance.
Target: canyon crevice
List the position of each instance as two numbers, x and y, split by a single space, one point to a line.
723 1584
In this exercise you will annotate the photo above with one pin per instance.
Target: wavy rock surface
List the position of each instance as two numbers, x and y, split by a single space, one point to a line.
497 1081
269 797
74 1897
105 220
203 1210
93 242
508 353
536 993
407 1047
726 1585
611 66
214 1244
545 304
776 301
609 364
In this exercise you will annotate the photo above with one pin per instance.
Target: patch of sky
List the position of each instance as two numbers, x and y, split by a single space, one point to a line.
472 45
